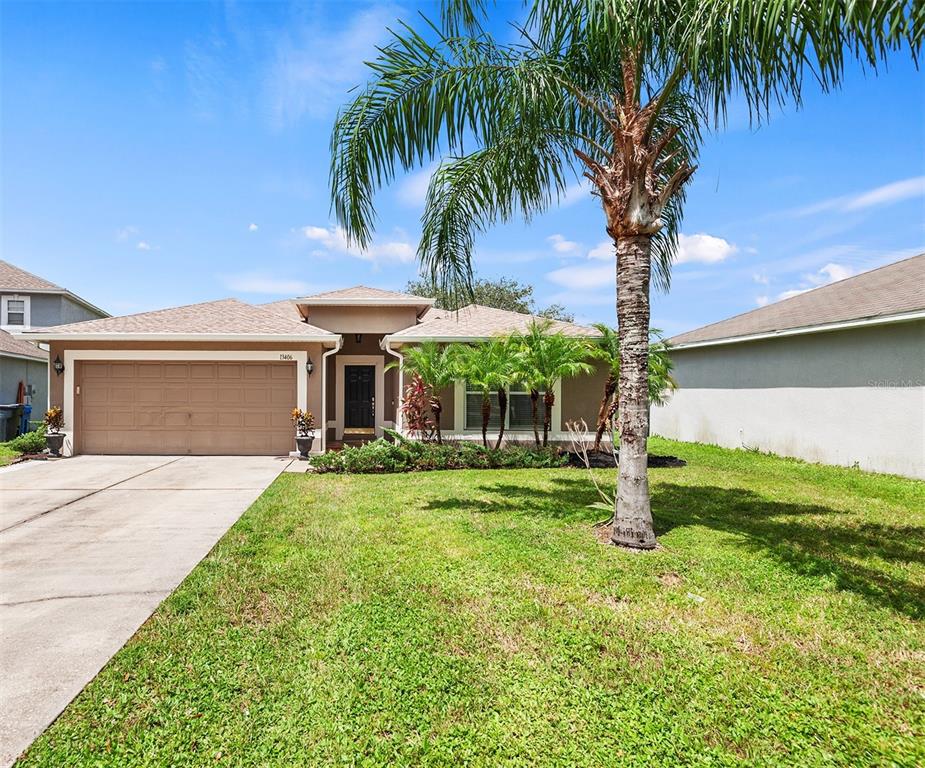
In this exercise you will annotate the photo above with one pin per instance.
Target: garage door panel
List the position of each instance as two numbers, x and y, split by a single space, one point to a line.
176 407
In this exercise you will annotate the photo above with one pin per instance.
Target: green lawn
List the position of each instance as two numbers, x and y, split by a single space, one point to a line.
472 618
7 455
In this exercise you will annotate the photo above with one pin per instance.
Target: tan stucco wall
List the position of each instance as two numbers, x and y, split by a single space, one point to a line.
315 350
581 397
369 320
843 397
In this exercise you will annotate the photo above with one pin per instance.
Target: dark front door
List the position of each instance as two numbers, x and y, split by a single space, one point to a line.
359 396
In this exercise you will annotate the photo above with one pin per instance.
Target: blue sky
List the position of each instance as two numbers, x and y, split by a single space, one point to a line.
163 154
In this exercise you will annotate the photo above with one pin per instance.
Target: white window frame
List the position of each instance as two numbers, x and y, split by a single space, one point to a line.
5 310
459 415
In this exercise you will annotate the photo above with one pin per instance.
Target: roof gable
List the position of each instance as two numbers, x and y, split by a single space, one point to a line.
362 294
894 289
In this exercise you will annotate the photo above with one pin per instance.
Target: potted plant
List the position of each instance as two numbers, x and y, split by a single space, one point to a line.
54 438
304 423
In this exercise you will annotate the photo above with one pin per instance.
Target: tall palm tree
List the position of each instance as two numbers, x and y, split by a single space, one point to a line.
661 382
488 367
616 91
543 359
435 364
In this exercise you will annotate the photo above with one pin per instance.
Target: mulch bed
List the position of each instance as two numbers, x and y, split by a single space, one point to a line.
604 460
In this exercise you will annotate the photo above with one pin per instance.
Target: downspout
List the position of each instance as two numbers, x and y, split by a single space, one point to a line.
324 391
387 347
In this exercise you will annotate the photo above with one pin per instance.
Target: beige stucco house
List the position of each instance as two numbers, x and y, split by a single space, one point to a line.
834 375
222 377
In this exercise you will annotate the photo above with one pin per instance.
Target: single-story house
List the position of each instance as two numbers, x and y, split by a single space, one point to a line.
28 301
221 377
833 375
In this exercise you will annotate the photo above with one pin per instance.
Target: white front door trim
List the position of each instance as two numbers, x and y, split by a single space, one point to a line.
344 360
71 356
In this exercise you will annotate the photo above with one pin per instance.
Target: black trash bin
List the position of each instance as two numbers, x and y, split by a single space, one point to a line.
10 416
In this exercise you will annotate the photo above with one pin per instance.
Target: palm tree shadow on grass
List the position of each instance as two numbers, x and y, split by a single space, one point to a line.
809 539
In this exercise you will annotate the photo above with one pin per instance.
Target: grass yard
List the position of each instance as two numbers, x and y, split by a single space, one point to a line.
7 455
472 618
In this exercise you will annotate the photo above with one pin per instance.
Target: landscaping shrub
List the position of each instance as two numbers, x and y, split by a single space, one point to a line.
402 455
31 442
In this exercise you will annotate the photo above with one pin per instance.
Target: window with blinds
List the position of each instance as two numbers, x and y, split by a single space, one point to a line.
519 414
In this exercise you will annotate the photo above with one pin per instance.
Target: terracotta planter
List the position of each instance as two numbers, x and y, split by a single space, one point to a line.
54 442
304 444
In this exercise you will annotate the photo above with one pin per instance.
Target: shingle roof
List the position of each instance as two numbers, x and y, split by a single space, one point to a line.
894 289
367 295
227 317
10 345
12 278
16 280
478 322
283 308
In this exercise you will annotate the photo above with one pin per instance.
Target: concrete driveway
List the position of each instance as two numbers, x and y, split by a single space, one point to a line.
89 547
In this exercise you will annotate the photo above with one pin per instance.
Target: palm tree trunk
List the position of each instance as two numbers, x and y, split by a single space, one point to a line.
610 386
549 399
633 518
486 417
502 409
534 405
436 408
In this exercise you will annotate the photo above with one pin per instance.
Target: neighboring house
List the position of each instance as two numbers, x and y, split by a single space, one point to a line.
222 377
22 362
28 301
833 375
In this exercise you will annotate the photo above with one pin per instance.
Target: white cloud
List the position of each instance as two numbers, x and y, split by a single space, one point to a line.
124 233
583 278
252 227
603 251
895 192
561 245
576 193
334 240
259 282
143 245
761 278
412 191
762 301
830 273
158 64
703 249
313 68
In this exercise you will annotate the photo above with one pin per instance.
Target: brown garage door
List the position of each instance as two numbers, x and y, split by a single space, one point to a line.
221 408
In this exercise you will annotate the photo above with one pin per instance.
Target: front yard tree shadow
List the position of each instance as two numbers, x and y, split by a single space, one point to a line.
793 534
809 539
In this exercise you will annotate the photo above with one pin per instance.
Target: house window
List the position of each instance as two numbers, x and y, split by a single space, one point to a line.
14 312
519 414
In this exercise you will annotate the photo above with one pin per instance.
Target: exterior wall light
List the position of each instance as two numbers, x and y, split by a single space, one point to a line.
309 367
58 365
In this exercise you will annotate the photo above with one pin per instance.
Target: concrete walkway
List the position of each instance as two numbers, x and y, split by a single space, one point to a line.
89 547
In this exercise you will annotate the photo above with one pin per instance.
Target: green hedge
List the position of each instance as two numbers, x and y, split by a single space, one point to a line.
31 442
403 455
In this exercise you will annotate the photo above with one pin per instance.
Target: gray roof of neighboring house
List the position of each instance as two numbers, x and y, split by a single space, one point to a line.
893 290
225 319
16 280
477 322
11 346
